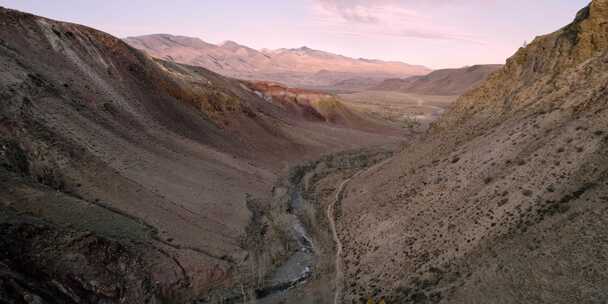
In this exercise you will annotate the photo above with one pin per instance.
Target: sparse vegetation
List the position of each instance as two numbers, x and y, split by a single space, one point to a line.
132 179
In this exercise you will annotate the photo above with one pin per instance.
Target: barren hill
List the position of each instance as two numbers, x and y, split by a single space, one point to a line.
301 67
133 180
506 199
441 82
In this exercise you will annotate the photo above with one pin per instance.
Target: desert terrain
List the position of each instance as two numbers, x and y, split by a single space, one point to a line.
137 176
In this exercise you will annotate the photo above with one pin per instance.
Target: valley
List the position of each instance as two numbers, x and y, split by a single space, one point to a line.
165 169
313 194
126 166
410 111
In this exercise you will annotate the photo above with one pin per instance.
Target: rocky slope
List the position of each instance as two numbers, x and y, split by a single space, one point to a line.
441 82
506 199
301 67
132 180
316 106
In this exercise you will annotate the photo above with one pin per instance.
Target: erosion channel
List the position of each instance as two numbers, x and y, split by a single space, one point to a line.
308 273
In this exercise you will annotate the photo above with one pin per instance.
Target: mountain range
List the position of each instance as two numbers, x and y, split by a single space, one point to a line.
300 67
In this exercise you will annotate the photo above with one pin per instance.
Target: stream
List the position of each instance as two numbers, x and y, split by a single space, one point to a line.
298 267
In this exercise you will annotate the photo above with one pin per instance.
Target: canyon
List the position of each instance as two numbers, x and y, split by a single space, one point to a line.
151 176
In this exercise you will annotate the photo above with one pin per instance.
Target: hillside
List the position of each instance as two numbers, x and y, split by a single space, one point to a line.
506 199
301 67
316 106
135 180
441 82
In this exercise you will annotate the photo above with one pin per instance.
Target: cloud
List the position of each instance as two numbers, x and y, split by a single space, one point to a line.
396 18
358 11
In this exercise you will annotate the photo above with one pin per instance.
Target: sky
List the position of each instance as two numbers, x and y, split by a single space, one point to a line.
434 33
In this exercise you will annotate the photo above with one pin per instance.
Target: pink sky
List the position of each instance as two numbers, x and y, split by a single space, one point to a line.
435 33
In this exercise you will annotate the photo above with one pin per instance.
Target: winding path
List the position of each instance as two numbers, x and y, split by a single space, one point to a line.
332 224
334 232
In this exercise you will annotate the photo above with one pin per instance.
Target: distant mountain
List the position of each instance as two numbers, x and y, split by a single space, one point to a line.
441 82
301 67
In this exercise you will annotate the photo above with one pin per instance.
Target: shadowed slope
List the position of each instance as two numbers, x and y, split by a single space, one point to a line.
146 165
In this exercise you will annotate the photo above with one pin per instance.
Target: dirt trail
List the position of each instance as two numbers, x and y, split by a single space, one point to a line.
334 232
332 224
